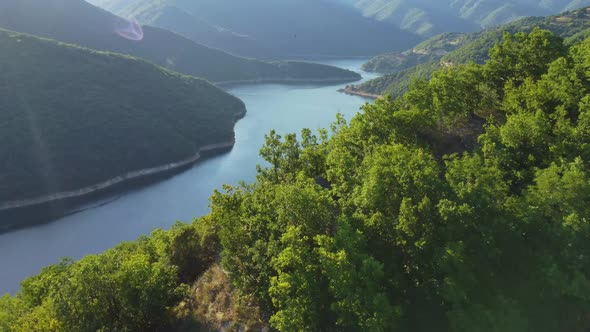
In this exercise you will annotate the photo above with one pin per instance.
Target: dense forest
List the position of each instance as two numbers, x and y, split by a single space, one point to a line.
78 22
459 48
73 117
462 205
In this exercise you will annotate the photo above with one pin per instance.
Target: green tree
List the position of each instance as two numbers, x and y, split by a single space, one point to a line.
522 56
356 282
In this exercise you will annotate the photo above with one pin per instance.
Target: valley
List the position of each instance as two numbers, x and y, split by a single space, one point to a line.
295 165
125 216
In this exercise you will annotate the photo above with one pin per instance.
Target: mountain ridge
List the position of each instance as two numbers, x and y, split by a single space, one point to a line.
287 28
78 22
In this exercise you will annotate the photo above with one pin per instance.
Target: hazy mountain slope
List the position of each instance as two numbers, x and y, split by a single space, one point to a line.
78 22
429 17
178 20
573 26
299 27
285 28
165 15
73 117
423 17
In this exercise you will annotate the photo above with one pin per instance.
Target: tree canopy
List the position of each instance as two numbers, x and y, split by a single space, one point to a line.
448 208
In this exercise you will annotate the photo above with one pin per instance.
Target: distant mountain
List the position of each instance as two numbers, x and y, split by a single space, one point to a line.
451 49
73 117
170 17
286 28
182 22
430 17
78 22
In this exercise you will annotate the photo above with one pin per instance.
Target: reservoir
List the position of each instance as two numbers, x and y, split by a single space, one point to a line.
102 225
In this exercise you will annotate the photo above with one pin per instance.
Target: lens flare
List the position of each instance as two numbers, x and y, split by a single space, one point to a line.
129 29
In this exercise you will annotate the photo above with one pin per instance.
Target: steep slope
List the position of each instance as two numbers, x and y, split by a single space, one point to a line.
284 28
72 117
78 22
429 17
452 49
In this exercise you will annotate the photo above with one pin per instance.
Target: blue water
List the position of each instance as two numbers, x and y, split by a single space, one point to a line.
184 196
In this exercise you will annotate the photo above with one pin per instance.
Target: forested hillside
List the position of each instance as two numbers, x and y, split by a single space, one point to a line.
460 206
429 50
72 117
430 17
78 22
280 29
452 48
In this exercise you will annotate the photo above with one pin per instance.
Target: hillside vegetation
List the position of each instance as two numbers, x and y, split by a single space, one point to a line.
431 17
78 22
268 28
73 117
459 206
453 49
427 51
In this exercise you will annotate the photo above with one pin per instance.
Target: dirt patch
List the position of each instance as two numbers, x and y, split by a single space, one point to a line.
215 304
563 19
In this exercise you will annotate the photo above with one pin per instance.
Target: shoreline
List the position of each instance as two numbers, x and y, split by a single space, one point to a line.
104 185
289 80
348 91
120 179
147 173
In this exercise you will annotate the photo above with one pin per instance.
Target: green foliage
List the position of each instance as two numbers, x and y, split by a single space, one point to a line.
463 48
128 288
11 308
409 236
460 206
72 117
355 280
523 56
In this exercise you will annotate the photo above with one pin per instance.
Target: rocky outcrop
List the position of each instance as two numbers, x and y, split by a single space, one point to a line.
352 90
